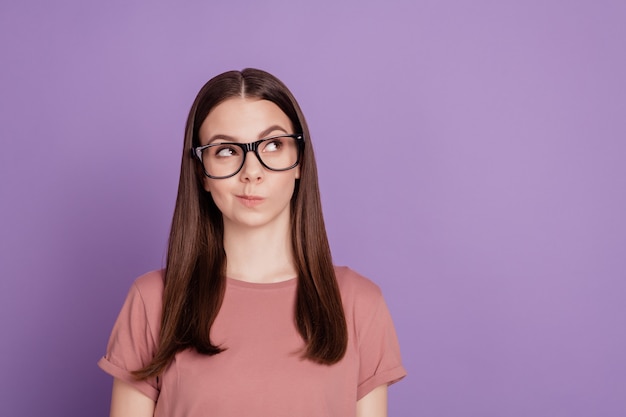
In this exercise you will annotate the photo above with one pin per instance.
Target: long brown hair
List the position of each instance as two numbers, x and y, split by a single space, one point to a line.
195 279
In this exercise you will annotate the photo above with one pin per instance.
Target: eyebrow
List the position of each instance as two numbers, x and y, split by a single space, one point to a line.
261 135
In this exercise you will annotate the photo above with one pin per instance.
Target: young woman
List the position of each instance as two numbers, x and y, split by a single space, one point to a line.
249 316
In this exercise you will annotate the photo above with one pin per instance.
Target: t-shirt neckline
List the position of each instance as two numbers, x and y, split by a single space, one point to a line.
291 282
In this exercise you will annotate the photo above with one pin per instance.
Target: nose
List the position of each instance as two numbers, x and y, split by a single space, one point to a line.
252 170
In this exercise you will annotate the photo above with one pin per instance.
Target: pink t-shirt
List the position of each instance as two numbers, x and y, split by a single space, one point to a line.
261 372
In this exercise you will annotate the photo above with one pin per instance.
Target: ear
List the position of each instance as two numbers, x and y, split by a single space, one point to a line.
206 184
298 172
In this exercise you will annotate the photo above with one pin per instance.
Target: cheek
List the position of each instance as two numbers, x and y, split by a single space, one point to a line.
289 185
220 190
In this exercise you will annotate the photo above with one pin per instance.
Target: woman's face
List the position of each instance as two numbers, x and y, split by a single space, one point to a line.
255 196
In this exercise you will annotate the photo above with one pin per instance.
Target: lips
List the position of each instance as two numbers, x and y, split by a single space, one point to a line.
250 200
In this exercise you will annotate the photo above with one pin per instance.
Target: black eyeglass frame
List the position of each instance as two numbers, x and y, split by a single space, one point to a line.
248 147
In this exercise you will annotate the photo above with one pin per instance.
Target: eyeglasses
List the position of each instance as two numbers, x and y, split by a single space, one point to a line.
225 159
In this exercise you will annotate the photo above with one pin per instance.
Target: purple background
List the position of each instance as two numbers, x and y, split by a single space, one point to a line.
471 158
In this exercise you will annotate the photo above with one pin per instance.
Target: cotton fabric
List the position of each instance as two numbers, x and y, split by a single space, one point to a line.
261 372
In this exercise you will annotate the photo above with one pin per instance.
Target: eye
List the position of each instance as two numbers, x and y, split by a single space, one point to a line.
273 145
225 151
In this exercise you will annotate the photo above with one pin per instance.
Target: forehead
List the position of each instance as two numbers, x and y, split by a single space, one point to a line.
243 119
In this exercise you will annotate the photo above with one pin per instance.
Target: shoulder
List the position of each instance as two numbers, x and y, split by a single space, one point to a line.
363 303
355 288
147 291
150 285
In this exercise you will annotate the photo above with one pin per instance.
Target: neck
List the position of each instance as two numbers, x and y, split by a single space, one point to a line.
262 255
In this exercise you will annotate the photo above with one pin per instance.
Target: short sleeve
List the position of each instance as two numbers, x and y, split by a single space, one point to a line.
379 351
132 343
